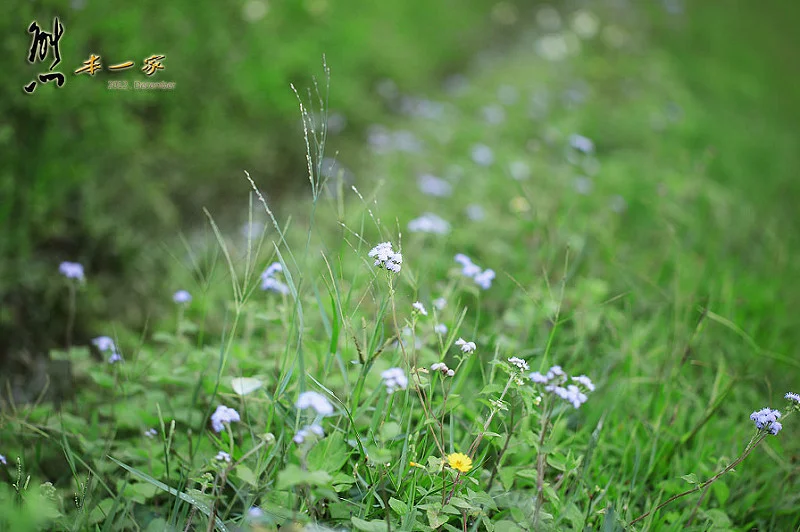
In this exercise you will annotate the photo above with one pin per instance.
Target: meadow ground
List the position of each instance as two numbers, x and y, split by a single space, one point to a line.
596 291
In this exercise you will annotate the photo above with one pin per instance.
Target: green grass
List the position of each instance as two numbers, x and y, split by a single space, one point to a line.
678 307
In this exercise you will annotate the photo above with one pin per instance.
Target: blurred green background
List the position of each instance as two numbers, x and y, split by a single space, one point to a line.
108 178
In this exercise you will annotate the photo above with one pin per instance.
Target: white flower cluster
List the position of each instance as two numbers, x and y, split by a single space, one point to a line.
442 367
394 379
270 282
316 401
305 432
419 307
466 347
554 381
429 223
386 257
482 278
519 363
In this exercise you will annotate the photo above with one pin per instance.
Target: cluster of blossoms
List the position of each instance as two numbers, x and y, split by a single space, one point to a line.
429 223
3 460
394 379
151 433
767 419
182 296
386 257
71 270
434 186
466 347
319 404
442 367
270 282
519 363
222 456
581 143
106 344
223 415
555 380
440 328
419 307
482 278
439 303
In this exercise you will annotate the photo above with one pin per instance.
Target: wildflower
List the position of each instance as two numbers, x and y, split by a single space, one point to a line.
538 378
793 397
182 296
469 269
115 357
554 372
385 257
71 270
434 186
414 464
429 223
586 381
3 460
581 143
314 400
420 308
466 347
521 364
270 283
255 512
484 279
305 432
151 433
222 456
443 369
460 462
765 419
439 303
104 343
519 170
394 379
475 212
223 415
440 328
482 154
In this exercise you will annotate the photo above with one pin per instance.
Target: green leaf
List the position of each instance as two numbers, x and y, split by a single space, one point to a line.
691 478
721 491
435 519
369 526
330 454
398 506
246 474
293 476
390 431
506 526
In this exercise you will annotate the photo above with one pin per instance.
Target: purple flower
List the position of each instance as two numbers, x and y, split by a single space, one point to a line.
314 400
223 415
793 397
115 357
765 419
394 379
3 460
270 283
104 343
182 296
385 257
71 270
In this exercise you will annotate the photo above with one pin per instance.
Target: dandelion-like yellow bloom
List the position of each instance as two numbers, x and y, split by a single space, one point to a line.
460 461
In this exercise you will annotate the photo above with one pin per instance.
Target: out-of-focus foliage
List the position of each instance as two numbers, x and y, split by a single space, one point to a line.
101 176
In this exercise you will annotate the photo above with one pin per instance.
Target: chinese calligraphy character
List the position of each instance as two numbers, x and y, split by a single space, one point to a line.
121 66
91 66
153 63
41 43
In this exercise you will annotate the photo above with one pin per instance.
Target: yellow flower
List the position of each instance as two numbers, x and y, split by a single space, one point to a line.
459 461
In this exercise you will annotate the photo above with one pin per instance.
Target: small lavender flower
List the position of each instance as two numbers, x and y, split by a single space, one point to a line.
521 364
151 433
440 328
255 512
104 343
475 212
115 357
482 154
795 398
314 400
182 296
419 307
386 257
519 170
485 278
305 432
270 283
71 270
434 186
765 418
466 347
585 381
468 268
538 378
581 143
554 372
223 415
439 303
429 223
222 456
775 428
394 379
3 460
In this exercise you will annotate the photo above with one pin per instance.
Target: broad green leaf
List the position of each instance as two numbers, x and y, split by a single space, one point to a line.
369 526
